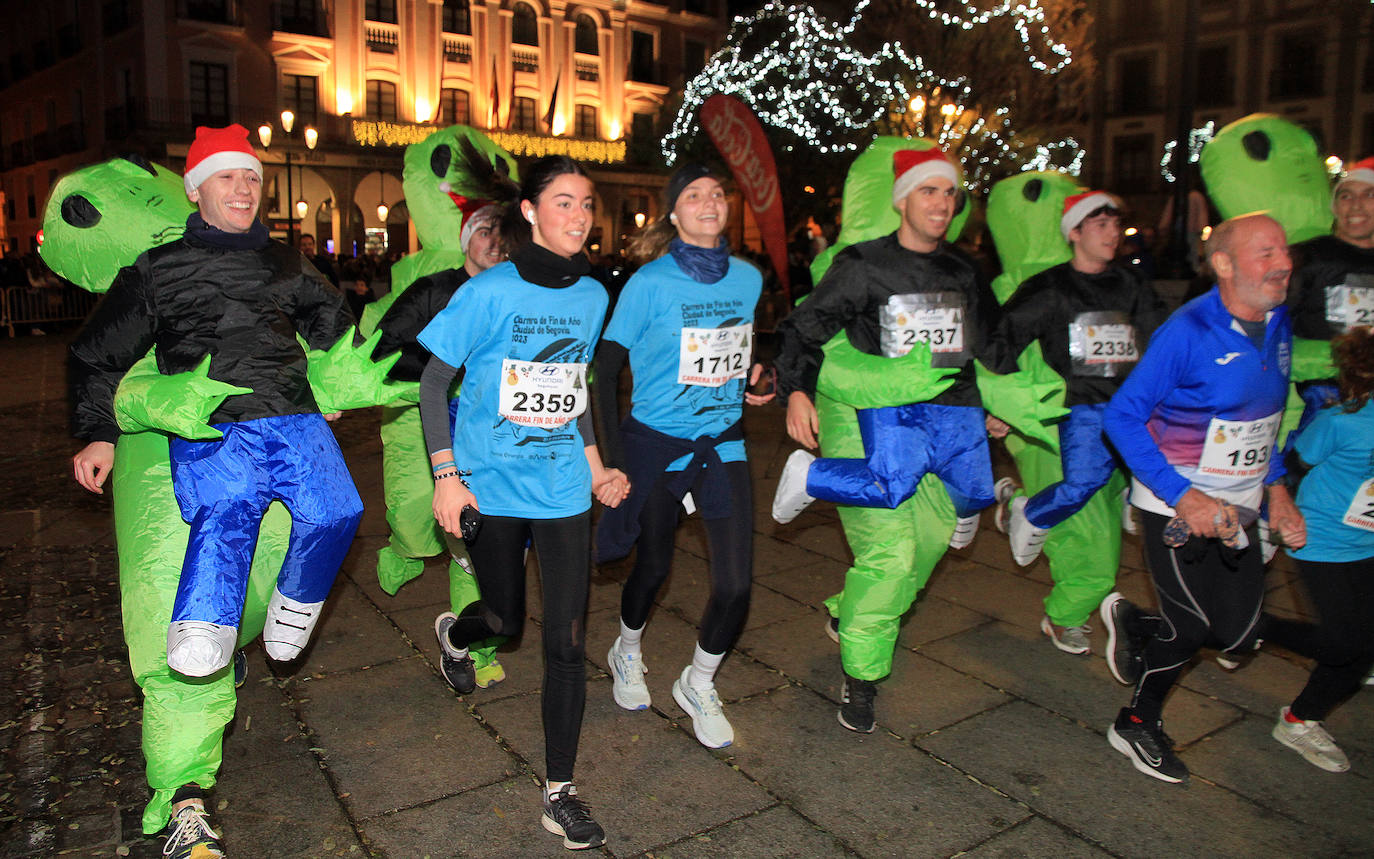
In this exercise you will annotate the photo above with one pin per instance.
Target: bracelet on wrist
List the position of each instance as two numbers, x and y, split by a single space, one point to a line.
446 476
441 466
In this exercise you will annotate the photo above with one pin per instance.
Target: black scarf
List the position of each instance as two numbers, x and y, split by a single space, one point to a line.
704 265
255 239
542 267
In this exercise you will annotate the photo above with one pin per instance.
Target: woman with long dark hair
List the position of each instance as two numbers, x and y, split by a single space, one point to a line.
522 463
685 323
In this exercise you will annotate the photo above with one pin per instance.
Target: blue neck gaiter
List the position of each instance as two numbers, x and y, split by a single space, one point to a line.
704 265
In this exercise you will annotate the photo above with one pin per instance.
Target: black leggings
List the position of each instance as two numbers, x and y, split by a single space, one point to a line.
1209 596
731 542
564 550
1342 643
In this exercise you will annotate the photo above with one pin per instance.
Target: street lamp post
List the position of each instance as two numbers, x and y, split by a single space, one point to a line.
288 122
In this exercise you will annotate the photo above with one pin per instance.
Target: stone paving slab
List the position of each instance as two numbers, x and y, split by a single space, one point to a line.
351 634
394 736
774 832
1070 774
1036 837
879 795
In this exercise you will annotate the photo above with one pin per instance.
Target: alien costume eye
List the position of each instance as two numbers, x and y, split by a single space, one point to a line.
79 212
1033 189
440 159
960 201
1256 145
139 160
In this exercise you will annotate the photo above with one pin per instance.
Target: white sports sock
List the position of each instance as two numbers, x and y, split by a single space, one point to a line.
703 672
629 639
551 788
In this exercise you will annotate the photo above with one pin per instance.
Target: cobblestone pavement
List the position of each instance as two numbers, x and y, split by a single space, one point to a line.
991 743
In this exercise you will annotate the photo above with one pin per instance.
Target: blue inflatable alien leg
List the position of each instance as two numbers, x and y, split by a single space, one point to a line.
1087 464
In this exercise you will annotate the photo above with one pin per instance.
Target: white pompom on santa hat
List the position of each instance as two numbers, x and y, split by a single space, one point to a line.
216 149
1360 171
1079 206
911 167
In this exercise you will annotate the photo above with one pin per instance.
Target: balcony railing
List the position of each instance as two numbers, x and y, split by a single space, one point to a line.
588 71
177 119
524 61
383 38
458 49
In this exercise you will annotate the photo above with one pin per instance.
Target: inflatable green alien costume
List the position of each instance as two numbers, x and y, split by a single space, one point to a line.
1084 551
894 550
1264 162
98 220
436 185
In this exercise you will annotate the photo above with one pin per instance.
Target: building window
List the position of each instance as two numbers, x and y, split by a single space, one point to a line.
693 58
208 10
381 100
457 17
382 11
1368 133
209 91
522 115
297 16
1136 164
1136 84
524 26
455 107
301 95
642 57
584 37
584 122
1297 71
1215 81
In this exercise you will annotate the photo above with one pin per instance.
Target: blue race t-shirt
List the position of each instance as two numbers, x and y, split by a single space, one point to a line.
1335 497
525 349
690 345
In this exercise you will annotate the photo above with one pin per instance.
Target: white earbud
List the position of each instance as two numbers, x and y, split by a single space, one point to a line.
672 218
529 216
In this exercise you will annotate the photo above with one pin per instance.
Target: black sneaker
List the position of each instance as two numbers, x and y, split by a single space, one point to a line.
240 669
832 628
1149 748
190 834
566 815
856 713
455 663
1124 650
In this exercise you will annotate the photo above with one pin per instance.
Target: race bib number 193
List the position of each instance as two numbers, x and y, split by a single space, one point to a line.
535 394
1239 448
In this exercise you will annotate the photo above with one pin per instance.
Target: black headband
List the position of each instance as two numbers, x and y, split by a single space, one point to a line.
686 175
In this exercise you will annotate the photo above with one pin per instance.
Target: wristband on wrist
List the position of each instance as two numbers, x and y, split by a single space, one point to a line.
441 466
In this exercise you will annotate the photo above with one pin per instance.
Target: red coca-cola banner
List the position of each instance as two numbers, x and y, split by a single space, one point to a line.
736 132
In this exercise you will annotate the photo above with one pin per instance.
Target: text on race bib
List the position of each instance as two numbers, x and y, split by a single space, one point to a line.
1239 449
710 357
1360 513
1351 304
933 318
1102 343
536 394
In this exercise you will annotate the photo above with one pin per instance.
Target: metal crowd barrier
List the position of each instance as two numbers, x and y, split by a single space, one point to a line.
24 305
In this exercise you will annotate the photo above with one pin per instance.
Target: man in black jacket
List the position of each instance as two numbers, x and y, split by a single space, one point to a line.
226 290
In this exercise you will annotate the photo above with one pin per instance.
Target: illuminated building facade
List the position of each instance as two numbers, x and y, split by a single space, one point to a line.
85 80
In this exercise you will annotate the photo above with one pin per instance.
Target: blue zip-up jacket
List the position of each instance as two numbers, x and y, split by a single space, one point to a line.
1200 365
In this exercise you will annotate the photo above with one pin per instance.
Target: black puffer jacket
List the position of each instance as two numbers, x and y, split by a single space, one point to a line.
1044 306
187 298
857 288
1319 264
407 317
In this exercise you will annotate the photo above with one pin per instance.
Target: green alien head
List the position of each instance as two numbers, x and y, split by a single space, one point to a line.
442 172
867 210
1023 215
100 218
1264 162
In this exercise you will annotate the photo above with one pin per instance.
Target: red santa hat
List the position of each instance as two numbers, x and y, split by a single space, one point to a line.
1360 171
216 149
475 214
911 167
1080 206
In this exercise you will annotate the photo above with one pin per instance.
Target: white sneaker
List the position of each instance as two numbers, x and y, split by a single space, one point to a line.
1311 740
965 530
1026 539
289 626
703 706
1003 490
1074 639
791 498
1128 522
198 648
627 679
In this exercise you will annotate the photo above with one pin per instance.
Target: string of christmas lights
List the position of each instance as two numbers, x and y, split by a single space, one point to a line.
1197 138
1025 16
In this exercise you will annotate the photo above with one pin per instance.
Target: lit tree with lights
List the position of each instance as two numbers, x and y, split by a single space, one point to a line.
987 83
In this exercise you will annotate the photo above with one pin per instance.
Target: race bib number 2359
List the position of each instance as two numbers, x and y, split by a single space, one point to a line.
536 394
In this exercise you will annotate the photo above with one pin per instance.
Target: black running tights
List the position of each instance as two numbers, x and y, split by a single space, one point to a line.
1342 642
731 543
1209 596
563 547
